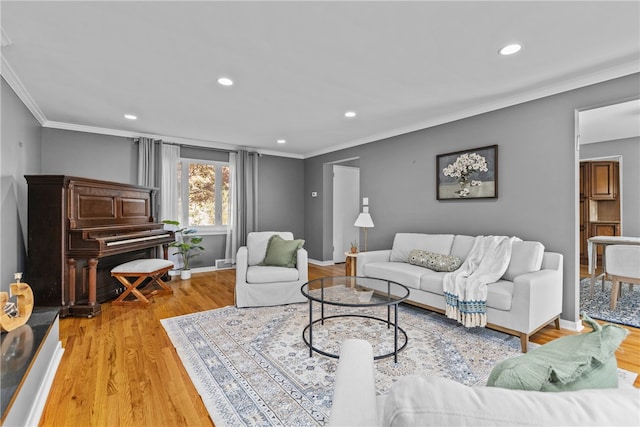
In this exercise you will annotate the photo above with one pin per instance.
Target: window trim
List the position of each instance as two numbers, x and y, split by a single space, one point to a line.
184 194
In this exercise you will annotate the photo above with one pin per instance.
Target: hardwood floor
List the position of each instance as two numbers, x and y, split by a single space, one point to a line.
120 369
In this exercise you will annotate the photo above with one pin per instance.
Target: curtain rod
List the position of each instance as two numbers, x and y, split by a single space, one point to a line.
224 150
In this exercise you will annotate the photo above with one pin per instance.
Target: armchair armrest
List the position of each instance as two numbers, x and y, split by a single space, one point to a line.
242 263
371 256
354 394
302 264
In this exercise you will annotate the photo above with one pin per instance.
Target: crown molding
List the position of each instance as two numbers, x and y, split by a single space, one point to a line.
173 139
620 70
14 82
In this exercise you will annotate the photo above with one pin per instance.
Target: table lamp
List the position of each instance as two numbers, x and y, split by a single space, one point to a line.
364 221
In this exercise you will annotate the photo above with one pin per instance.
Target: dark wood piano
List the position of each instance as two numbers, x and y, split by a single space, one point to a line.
78 230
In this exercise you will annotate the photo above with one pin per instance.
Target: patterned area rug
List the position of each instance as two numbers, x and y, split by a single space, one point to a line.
251 366
627 310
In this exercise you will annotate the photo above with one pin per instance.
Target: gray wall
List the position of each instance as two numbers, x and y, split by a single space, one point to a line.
112 158
629 150
281 195
537 179
20 150
89 155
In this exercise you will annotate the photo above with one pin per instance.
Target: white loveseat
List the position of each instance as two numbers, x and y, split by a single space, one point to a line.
433 401
525 299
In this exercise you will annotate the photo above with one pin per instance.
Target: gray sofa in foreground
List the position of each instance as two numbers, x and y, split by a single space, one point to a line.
524 300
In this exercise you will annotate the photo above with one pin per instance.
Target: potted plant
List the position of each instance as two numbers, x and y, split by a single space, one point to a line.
354 247
187 245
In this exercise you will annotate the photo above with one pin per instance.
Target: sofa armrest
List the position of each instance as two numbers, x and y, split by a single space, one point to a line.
371 256
537 298
242 263
354 394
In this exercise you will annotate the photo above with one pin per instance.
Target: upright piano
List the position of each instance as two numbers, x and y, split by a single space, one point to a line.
78 230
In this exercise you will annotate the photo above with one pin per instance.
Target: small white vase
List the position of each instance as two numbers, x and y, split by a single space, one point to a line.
185 274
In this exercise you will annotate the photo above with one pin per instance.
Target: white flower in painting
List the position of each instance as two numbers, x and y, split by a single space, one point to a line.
465 165
475 183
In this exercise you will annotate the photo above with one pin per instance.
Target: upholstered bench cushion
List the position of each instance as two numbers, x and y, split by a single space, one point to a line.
142 266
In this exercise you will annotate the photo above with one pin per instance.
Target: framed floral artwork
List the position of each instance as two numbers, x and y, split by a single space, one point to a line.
468 174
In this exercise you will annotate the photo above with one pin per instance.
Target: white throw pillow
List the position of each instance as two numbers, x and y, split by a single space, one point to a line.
526 257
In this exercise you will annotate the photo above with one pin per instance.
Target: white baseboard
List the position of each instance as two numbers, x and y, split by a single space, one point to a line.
572 326
40 399
321 263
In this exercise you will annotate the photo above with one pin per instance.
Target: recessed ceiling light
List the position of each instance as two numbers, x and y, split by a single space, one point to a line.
510 49
350 114
225 81
281 141
130 117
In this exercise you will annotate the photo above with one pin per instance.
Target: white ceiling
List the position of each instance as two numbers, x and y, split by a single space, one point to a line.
609 123
299 65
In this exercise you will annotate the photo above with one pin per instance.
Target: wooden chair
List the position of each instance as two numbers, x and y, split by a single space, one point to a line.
622 265
142 269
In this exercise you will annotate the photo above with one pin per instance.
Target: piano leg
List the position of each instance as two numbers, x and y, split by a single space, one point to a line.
91 308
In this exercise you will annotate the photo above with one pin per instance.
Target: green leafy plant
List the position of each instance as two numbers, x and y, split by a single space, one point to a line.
187 245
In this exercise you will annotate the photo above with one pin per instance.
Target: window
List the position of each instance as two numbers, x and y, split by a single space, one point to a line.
204 194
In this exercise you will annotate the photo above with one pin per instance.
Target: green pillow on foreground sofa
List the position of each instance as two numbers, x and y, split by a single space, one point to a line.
433 401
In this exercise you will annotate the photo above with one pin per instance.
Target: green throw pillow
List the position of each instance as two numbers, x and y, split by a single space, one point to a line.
573 362
434 261
282 253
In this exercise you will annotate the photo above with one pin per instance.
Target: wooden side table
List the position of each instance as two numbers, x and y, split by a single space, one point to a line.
350 264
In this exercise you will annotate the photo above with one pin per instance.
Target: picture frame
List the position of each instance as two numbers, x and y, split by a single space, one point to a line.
468 174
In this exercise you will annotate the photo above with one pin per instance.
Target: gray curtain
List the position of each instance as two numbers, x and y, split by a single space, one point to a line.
150 168
244 196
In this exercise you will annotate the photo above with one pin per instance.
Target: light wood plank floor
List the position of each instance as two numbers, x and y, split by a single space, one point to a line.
120 369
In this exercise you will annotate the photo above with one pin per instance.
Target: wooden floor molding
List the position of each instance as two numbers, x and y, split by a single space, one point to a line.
120 369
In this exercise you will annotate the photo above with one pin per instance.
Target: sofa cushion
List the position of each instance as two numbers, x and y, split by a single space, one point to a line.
400 272
431 281
462 245
572 362
434 401
403 243
500 295
269 274
526 257
282 253
257 242
434 261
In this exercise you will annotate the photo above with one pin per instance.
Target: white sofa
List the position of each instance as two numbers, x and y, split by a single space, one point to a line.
433 401
263 285
524 300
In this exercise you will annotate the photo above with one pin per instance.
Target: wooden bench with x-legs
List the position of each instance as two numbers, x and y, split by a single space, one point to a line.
141 270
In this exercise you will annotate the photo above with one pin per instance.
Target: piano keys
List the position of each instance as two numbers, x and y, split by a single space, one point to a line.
78 230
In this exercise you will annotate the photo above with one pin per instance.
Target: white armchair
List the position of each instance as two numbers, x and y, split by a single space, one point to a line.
261 285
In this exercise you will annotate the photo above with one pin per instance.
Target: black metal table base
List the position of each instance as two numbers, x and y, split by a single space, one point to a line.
397 330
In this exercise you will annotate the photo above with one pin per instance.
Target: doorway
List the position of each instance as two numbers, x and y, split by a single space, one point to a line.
346 206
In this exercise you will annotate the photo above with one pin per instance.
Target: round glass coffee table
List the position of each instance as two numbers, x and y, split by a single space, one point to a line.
357 293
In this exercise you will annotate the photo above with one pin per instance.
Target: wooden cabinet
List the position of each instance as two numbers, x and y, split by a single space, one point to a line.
599 202
603 182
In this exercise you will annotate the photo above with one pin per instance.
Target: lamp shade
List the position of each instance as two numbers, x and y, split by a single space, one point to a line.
364 220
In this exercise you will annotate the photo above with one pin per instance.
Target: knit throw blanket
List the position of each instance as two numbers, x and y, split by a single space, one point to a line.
465 290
